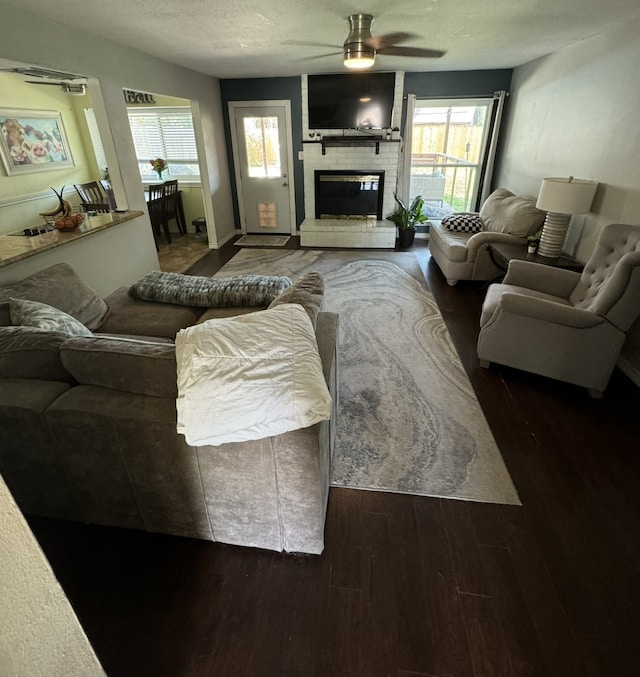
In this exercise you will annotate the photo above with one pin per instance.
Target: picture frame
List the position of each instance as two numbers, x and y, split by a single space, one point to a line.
33 141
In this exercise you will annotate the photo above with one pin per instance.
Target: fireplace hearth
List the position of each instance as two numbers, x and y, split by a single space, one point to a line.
348 194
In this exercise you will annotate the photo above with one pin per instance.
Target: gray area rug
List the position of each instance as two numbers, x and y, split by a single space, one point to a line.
409 420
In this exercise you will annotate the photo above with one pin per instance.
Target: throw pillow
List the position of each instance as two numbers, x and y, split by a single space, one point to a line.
504 212
41 316
308 291
465 223
250 377
59 286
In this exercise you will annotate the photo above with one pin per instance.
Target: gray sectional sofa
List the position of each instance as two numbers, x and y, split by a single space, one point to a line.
88 427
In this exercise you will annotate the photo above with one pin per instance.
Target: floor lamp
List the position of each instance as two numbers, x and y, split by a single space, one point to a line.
561 198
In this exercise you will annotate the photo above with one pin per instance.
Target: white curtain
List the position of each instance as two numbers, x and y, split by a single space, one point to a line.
487 173
404 166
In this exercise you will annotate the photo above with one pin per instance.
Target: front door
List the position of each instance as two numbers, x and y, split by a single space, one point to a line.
261 133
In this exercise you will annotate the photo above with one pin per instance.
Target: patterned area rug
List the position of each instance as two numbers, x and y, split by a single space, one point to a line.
409 420
262 241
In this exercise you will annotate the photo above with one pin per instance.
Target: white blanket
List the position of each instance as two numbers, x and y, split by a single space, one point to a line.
248 377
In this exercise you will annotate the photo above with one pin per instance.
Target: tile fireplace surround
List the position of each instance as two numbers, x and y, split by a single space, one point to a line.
367 232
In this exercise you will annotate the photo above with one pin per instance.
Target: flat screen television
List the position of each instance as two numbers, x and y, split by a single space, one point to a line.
351 100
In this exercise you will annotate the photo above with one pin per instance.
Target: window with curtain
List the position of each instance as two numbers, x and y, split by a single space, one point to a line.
166 133
451 147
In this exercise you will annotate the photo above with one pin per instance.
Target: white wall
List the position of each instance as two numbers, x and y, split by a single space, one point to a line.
40 635
576 112
111 68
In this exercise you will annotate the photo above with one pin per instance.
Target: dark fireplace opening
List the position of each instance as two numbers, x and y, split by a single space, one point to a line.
348 194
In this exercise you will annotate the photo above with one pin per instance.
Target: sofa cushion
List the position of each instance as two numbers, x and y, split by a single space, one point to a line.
504 212
59 286
146 318
5 314
30 353
463 222
42 316
128 365
452 242
250 377
308 291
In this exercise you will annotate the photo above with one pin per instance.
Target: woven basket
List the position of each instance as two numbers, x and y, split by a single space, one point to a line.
76 213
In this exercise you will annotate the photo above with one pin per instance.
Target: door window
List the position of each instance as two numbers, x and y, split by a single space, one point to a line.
262 146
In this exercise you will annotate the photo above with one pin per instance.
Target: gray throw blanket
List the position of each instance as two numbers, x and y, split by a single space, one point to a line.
205 292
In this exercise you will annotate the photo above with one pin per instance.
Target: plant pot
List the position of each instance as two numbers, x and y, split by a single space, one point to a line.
532 248
405 238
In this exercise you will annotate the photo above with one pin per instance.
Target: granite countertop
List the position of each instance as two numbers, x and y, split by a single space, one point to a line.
17 247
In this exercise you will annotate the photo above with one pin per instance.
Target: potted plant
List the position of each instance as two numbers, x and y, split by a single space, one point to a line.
533 240
407 218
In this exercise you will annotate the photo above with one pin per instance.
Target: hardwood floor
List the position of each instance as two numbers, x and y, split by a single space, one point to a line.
407 586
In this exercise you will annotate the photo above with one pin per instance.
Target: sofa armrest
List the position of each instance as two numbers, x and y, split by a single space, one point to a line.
539 277
546 311
485 237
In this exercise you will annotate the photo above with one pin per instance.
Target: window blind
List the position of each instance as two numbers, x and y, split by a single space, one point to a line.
166 133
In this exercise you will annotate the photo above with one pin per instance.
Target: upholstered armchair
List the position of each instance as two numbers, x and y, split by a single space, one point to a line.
462 251
562 324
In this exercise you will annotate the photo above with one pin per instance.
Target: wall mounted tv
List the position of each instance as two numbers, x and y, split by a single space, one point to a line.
351 100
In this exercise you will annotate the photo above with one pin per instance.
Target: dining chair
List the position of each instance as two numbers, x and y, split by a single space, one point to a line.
93 197
111 198
155 204
171 209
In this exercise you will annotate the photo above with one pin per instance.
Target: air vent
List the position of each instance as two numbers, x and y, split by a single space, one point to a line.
35 72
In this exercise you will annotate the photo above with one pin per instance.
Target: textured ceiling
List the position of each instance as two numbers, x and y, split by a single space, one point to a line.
244 38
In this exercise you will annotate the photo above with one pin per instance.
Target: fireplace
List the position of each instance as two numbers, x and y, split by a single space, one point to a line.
348 194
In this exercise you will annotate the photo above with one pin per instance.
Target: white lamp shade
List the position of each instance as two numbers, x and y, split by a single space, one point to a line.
566 195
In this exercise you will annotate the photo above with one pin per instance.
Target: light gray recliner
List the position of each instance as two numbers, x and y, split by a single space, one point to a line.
563 324
505 217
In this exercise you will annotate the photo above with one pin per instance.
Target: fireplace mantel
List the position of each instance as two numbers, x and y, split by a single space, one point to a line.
361 141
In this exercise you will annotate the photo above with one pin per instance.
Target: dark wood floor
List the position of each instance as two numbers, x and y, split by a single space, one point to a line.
407 586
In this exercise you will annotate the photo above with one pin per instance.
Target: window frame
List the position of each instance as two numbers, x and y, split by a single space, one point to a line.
143 162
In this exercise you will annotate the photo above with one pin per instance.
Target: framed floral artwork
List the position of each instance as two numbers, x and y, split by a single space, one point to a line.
33 141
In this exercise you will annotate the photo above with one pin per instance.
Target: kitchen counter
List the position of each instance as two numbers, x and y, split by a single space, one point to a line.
17 247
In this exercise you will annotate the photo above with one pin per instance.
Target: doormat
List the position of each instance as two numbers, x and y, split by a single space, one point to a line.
262 241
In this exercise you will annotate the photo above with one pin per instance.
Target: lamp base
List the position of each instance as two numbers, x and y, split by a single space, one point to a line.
554 233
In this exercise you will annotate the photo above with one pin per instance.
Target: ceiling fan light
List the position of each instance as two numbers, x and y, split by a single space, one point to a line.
358 56
359 62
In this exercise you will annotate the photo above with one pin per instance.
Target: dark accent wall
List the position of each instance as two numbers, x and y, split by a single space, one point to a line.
457 83
424 85
453 84
265 89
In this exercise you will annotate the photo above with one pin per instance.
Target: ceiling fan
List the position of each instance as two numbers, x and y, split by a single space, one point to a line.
361 48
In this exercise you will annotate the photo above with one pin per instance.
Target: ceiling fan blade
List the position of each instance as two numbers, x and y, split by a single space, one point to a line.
41 82
318 56
412 51
304 43
381 41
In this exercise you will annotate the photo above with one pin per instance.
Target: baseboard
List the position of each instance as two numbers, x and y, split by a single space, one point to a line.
629 369
227 238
